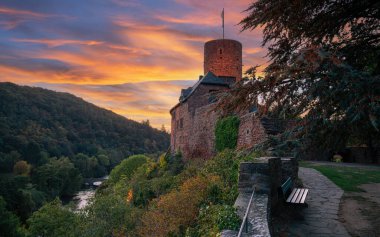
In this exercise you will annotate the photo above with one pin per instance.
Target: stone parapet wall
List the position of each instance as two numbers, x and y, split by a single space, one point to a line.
264 175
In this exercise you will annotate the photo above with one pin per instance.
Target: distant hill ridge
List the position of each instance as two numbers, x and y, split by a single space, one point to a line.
61 124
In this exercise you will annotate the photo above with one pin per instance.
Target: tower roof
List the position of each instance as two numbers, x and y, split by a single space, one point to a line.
209 79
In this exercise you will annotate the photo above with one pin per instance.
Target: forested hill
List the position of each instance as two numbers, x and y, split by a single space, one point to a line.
38 123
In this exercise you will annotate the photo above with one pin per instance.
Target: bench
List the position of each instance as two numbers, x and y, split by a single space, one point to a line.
295 196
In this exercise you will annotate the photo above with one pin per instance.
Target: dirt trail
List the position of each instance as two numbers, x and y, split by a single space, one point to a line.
360 211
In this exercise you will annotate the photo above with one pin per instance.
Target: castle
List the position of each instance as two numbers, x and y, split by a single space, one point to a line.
195 116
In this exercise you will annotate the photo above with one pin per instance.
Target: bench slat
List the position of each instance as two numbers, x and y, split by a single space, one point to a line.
300 196
291 195
295 196
304 196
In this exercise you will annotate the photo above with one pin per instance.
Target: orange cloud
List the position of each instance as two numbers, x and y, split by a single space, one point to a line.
58 42
138 101
128 57
253 50
9 11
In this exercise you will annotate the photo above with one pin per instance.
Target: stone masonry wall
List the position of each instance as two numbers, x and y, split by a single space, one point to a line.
223 57
193 129
251 131
193 123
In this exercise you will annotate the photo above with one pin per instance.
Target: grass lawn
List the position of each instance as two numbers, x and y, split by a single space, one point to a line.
347 178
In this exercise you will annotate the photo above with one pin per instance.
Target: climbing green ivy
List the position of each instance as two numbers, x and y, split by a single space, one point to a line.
226 133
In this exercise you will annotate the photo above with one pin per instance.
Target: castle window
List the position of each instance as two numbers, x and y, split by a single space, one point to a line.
181 123
220 51
247 131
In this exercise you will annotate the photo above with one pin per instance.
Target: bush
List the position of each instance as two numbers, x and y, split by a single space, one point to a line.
214 219
172 213
21 168
109 216
53 220
9 223
226 133
127 167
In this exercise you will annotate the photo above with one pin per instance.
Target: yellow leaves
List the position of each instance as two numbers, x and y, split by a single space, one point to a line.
129 197
176 209
21 168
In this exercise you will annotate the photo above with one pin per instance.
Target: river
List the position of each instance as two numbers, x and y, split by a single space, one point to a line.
83 197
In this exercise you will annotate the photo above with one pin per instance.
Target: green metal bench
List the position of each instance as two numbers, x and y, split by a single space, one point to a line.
294 196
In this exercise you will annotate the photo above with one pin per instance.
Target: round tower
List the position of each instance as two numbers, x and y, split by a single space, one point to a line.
223 57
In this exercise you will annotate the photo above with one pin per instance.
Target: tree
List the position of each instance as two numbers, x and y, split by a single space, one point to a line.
54 220
7 161
146 122
163 129
109 216
9 223
350 27
21 168
173 212
58 177
127 167
324 69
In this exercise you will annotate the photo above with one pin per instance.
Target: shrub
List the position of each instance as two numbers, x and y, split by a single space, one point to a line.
213 219
109 216
226 133
21 168
53 220
127 167
173 212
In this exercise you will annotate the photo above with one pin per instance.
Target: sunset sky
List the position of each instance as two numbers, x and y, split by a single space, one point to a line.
129 56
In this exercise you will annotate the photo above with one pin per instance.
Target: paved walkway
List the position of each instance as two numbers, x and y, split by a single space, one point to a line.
321 217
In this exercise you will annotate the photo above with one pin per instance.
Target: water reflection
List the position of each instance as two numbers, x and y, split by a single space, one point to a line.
83 197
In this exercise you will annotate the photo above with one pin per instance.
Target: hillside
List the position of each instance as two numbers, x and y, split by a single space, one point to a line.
36 123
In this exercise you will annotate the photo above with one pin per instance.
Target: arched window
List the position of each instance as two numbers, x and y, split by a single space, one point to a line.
220 51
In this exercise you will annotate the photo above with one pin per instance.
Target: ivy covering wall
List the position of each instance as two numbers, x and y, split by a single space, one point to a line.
226 133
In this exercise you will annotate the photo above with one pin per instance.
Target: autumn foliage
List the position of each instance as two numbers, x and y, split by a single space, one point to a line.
173 212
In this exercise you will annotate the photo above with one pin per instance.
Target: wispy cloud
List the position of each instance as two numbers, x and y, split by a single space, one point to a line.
25 13
138 101
132 57
58 42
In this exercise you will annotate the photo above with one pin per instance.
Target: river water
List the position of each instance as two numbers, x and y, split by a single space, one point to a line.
83 197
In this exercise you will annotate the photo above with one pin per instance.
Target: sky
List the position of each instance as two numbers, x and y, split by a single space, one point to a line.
129 56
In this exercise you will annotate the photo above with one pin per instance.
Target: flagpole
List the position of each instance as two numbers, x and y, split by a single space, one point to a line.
223 21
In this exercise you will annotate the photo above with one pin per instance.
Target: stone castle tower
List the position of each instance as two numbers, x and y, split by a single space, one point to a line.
194 117
223 57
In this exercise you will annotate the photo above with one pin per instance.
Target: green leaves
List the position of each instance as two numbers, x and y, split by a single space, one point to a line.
54 220
58 177
226 133
127 167
324 69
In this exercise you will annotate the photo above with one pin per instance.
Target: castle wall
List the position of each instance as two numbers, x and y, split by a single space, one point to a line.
223 57
251 131
193 123
194 119
195 135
